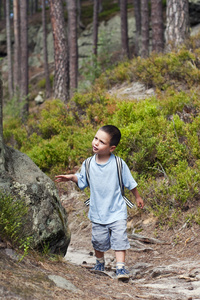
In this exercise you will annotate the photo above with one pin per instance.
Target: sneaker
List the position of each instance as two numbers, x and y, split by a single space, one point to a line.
99 266
122 273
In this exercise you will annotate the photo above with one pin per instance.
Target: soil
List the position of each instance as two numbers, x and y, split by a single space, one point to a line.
166 270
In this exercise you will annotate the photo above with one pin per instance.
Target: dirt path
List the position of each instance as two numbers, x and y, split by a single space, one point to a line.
168 271
158 271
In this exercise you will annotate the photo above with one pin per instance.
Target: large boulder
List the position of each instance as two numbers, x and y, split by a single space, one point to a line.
47 217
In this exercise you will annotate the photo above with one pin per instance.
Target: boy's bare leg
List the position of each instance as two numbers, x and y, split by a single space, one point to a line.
120 255
99 254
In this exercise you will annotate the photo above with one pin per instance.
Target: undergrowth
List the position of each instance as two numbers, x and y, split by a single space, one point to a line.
13 218
160 135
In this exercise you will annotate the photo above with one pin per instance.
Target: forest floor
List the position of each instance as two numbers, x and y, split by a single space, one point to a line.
169 270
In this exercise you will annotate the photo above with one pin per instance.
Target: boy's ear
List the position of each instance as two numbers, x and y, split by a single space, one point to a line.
112 148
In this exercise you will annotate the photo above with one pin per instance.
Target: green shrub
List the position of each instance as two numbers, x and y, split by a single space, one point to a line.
13 218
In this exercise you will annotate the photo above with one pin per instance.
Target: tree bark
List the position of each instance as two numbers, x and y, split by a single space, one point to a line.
79 14
95 26
9 51
157 25
73 46
24 56
45 51
16 24
61 76
2 149
144 28
124 28
177 24
137 14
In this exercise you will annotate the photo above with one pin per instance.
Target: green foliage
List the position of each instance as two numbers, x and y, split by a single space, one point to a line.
13 107
159 70
13 217
160 135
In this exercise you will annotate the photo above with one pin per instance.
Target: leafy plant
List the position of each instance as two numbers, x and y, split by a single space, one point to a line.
13 217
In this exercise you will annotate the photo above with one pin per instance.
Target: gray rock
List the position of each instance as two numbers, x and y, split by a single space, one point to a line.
63 283
47 218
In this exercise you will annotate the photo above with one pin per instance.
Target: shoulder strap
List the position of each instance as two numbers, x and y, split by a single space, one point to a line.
119 172
87 166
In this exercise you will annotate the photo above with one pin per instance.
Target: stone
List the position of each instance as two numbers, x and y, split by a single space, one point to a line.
47 218
63 283
39 99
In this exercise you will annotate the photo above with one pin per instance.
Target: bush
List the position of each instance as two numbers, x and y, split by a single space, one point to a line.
13 217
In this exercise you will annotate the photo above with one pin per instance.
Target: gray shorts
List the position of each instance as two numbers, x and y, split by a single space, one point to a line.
108 236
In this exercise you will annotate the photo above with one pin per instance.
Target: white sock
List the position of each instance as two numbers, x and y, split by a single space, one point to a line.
101 260
120 265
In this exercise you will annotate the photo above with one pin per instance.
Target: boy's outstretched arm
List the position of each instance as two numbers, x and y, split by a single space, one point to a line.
70 177
139 201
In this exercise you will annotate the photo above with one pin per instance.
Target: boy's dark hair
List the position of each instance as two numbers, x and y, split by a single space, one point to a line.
114 133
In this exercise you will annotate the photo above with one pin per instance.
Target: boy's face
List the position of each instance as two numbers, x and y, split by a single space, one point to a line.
101 143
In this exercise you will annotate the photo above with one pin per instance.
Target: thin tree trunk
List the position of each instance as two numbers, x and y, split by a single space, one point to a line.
0 10
9 52
16 24
2 149
61 77
95 26
24 56
157 25
73 46
145 28
80 24
137 14
124 28
45 51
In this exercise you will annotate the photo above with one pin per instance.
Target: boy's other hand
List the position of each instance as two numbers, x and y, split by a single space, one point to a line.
63 178
140 202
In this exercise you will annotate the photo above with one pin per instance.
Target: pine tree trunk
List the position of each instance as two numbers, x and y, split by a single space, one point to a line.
95 26
9 52
80 24
144 28
177 24
61 76
16 24
73 46
124 28
24 56
46 66
137 14
157 26
2 149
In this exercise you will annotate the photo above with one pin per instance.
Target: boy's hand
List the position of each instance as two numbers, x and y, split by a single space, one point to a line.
140 202
63 178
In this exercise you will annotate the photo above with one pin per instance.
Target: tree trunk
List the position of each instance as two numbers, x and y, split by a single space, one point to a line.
80 24
137 14
61 76
9 51
16 24
2 149
177 24
124 28
24 56
0 10
73 46
46 66
95 26
145 28
157 26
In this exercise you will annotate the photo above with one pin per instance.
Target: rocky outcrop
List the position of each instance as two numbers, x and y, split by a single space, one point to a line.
47 218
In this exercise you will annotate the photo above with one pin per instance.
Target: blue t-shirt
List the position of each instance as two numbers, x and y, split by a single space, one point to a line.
106 202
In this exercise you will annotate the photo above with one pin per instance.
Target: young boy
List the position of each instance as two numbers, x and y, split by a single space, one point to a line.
107 212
